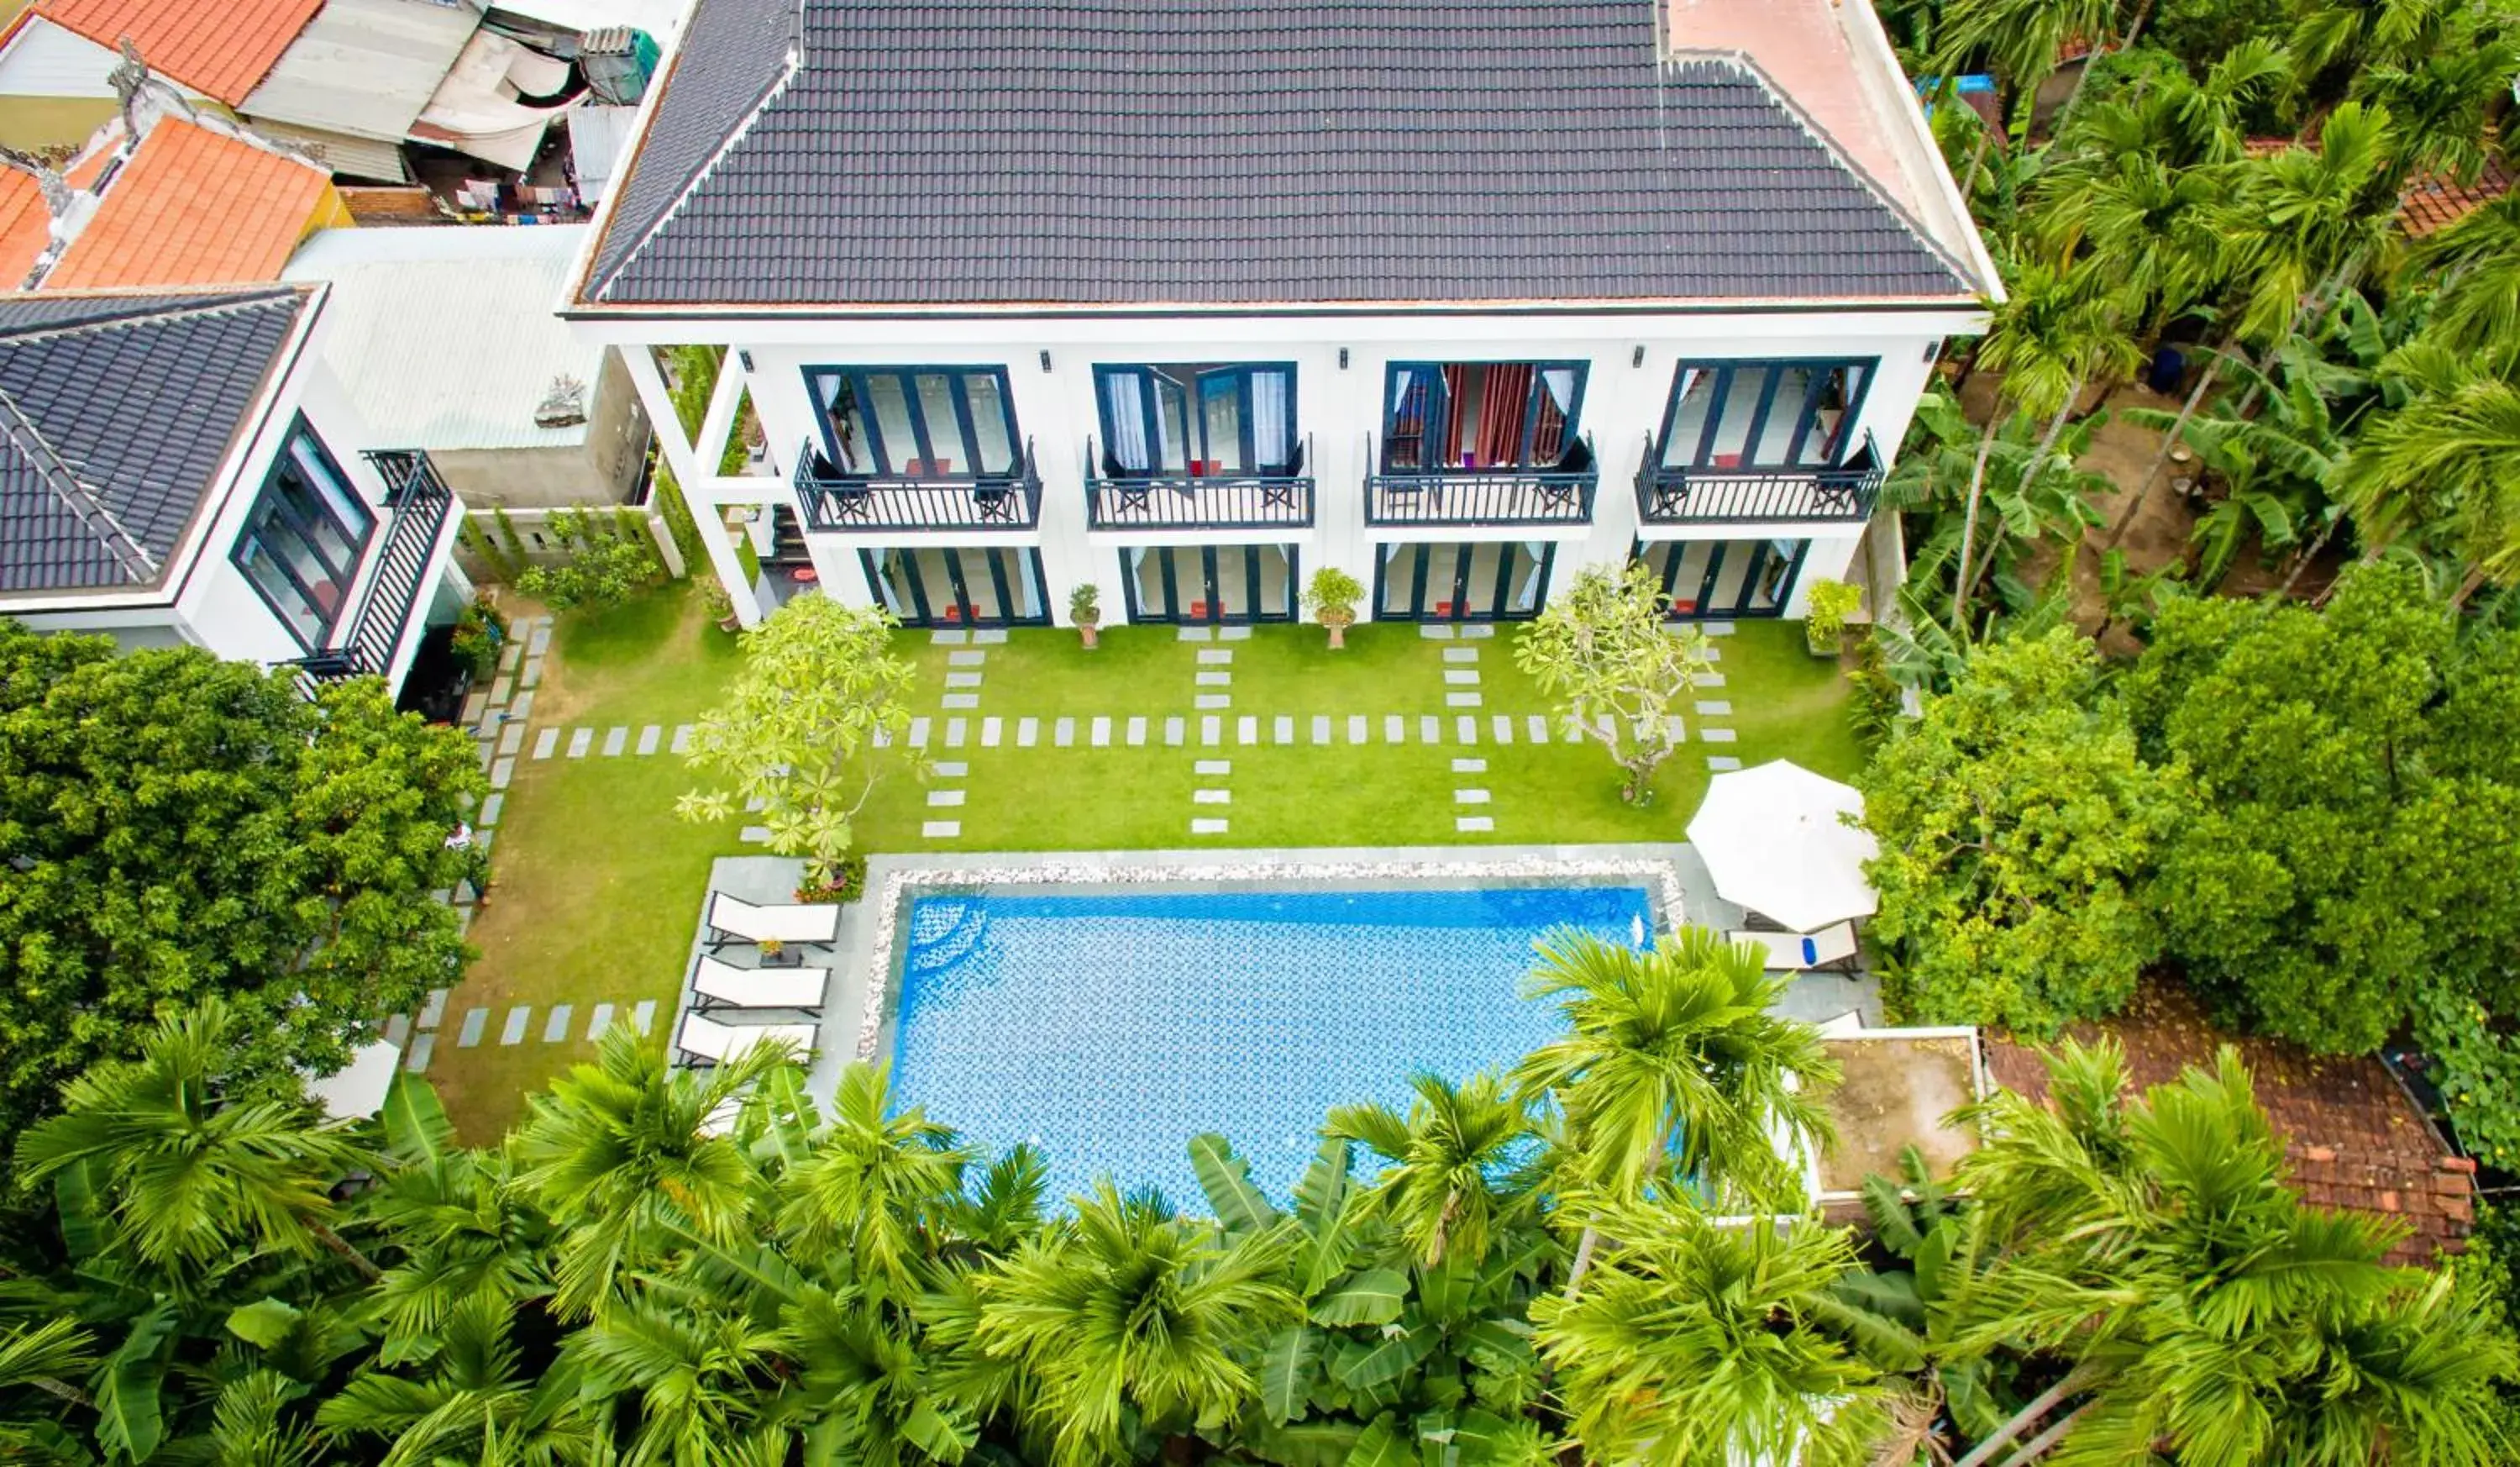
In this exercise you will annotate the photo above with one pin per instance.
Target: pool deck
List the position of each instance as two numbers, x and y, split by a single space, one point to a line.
850 1022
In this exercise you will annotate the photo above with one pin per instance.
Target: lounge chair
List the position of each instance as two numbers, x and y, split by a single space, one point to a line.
703 1040
722 985
1832 947
721 1120
731 919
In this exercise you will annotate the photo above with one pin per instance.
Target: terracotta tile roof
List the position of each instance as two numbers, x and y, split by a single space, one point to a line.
219 48
25 224
2356 1139
195 208
2433 204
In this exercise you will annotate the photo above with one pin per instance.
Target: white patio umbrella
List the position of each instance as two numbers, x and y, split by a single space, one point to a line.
1771 839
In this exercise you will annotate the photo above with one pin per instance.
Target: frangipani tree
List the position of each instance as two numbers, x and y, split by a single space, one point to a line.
819 690
1616 667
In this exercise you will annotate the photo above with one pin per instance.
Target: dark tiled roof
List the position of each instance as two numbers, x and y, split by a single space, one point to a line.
2357 1141
1116 152
115 414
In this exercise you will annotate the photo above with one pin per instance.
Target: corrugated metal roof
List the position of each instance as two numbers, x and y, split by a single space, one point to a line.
1102 151
348 156
115 412
445 337
365 66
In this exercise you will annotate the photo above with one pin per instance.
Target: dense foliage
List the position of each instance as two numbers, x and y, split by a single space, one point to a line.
174 826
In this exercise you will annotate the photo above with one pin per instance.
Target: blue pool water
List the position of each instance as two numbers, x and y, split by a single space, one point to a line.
1107 1030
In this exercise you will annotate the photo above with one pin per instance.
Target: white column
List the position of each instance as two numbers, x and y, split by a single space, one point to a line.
682 459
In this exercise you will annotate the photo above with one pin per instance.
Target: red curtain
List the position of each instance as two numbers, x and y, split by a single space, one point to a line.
1503 413
1455 377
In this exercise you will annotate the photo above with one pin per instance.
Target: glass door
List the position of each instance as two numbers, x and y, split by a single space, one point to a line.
1488 580
959 586
1726 580
1211 584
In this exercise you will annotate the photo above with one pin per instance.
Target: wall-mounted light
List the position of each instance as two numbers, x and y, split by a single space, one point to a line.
1636 359
1045 361
1342 359
744 355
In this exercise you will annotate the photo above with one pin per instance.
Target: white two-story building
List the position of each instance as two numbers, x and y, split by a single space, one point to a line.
178 468
1185 299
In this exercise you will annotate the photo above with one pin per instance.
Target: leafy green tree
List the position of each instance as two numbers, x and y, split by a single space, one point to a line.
2442 468
2024 38
1674 1074
1700 1344
1453 1177
1604 651
178 826
2473 267
2017 828
820 690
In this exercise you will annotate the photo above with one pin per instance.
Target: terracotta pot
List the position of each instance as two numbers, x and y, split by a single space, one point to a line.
1092 632
1338 630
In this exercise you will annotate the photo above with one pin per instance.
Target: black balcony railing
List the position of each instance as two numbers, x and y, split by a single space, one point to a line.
850 502
417 504
1669 495
1198 501
1483 496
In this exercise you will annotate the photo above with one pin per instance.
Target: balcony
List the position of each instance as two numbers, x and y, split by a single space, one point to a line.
864 503
1198 501
1667 495
1483 496
417 504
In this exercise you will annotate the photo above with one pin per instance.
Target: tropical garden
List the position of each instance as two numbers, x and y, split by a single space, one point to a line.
1604 1249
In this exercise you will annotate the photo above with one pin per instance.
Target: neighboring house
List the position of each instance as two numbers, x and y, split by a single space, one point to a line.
1186 302
444 341
347 80
178 467
184 203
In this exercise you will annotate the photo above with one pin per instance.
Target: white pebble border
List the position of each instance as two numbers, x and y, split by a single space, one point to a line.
897 886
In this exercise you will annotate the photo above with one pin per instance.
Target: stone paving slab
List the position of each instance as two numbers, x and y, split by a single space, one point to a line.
966 658
1431 729
1708 679
512 739
643 1016
510 654
1456 678
682 743
961 680
940 798
1435 631
1216 657
1460 654
1214 679
1501 728
483 838
1465 730
649 737
1714 654
1195 633
883 737
1395 729
754 835
474 705
532 675
940 830
989 636
1211 796
1464 700
615 739
1211 730
490 809
1469 797
1714 707
1722 763
1477 631
1136 733
1673 729
522 708
1716 736
1176 730
546 742
475 1021
1470 766
556 1023
416 1058
502 772
1027 732
1206 700
1247 729
1234 633
1282 729
540 641
954 701
1537 726
1207 827
1358 726
580 741
1716 629
1320 728
598 1021
918 731
1063 733
397 1028
949 638
1473 824
515 1031
1099 733
957 732
993 731
1210 768
433 1010
950 769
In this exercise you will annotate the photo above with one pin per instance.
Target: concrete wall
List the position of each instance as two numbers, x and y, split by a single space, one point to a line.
603 470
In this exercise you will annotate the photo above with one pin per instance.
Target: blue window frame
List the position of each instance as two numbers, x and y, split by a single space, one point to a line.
1457 417
1235 420
304 538
1791 413
933 422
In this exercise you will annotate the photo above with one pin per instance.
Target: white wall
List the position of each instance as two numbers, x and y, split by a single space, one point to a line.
50 61
1631 361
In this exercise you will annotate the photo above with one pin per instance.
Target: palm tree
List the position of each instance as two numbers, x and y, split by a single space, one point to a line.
190 1167
707 1373
2024 38
2476 261
474 1396
1702 1344
1672 1062
871 1182
2445 466
618 1153
2058 330
1454 1181
1127 1307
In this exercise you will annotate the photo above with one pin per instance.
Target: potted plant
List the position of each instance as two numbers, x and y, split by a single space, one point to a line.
721 606
769 949
1332 598
478 636
1085 608
1831 603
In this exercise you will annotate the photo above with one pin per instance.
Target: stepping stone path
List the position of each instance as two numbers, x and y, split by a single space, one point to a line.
965 679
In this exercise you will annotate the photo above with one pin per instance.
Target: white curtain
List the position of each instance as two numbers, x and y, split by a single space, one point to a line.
883 582
1560 383
1680 441
1127 396
1269 424
1527 595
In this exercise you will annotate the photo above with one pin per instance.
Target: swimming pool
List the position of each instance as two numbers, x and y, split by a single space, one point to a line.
1108 1028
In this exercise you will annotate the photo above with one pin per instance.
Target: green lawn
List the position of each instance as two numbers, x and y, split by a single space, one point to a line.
598 885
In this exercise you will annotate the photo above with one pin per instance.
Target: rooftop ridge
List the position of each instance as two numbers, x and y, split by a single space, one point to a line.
149 306
75 495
